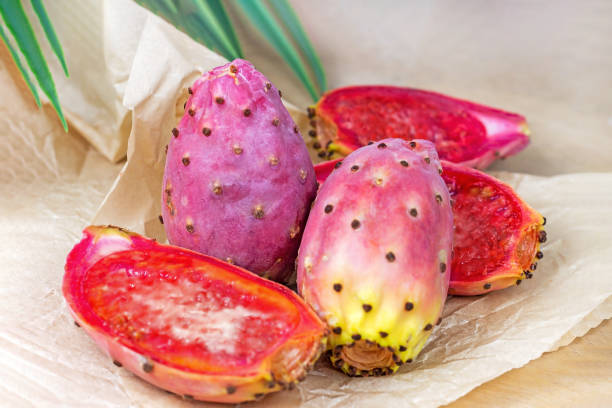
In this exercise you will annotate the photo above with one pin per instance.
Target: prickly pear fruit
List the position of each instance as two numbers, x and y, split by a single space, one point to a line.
186 322
238 182
497 235
375 257
463 132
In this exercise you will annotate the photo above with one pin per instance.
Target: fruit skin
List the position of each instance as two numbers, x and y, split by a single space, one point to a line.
464 132
288 362
238 181
375 257
477 197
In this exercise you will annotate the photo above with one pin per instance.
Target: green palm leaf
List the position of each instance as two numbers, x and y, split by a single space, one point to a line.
18 24
20 66
214 25
169 4
40 11
207 22
221 14
261 18
290 21
204 20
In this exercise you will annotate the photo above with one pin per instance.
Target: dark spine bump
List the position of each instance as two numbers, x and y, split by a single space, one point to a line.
147 367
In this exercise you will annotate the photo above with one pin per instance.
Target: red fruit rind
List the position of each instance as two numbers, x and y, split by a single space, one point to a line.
189 323
496 243
464 132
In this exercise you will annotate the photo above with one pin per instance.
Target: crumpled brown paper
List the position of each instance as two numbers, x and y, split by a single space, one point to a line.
52 183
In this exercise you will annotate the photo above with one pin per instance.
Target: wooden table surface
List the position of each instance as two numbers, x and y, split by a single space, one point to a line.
578 375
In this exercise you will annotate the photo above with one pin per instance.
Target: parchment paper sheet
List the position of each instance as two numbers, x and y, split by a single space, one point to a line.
53 182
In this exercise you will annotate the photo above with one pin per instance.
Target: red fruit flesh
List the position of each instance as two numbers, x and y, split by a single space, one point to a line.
463 132
323 170
497 235
186 322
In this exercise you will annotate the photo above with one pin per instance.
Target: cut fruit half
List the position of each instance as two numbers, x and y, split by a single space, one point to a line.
189 323
464 132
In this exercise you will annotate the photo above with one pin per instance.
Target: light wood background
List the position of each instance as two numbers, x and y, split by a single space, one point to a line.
578 375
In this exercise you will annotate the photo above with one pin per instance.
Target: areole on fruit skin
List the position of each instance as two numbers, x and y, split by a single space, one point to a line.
281 366
375 256
464 132
238 181
477 197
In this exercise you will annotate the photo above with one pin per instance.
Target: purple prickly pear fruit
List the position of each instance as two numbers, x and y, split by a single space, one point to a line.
238 182
375 256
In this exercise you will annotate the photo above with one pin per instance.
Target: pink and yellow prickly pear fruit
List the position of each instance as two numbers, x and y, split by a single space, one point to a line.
238 182
375 257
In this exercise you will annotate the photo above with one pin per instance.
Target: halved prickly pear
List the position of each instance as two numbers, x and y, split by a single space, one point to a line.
238 181
189 323
497 235
375 257
463 132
